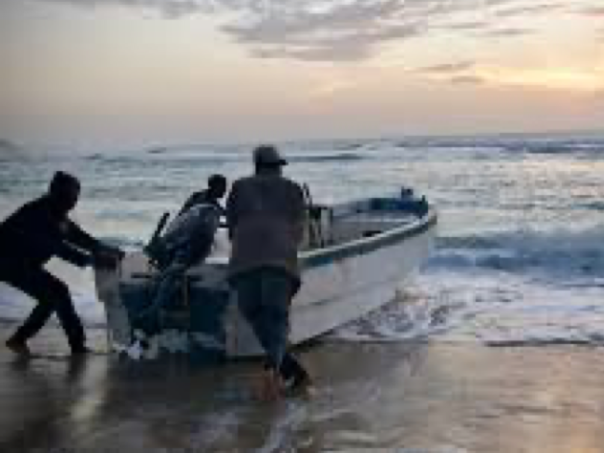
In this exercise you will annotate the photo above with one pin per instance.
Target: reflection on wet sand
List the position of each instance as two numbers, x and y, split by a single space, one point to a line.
370 397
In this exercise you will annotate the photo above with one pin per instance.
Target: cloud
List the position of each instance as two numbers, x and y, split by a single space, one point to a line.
334 30
459 73
347 45
529 10
171 9
593 11
467 26
447 68
467 80
345 32
509 32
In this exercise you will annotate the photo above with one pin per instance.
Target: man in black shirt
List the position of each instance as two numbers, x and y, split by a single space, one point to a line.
29 238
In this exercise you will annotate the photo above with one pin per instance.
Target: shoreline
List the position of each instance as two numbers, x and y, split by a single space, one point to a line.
432 397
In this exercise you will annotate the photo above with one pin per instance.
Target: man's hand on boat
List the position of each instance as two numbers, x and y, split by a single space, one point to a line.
107 257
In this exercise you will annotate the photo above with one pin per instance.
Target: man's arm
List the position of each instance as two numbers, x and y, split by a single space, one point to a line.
77 246
77 241
300 215
74 255
82 240
231 208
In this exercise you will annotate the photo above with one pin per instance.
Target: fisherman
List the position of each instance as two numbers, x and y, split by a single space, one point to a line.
191 233
29 238
266 218
187 241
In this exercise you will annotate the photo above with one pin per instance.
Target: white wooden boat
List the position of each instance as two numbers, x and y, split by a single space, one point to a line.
356 256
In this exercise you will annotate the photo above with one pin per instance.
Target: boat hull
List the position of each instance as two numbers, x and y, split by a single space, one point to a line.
339 284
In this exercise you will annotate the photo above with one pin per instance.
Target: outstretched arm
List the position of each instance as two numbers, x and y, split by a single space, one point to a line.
74 255
82 240
77 241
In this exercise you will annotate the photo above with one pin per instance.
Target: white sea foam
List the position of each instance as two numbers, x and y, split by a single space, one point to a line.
490 308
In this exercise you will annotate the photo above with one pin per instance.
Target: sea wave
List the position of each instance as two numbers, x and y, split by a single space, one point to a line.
160 161
339 157
591 148
573 253
512 144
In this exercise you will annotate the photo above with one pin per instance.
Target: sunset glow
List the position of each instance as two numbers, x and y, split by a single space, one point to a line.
173 70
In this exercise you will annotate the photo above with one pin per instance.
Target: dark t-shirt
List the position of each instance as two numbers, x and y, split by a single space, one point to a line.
266 215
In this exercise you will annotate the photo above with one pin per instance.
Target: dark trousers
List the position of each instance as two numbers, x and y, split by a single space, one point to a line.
264 296
52 296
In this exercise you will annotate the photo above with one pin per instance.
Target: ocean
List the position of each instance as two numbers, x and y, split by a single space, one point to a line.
491 346
519 256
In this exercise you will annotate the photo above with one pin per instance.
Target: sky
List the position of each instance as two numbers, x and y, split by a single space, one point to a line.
176 71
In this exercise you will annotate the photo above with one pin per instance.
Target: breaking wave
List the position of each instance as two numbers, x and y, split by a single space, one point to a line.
571 253
340 157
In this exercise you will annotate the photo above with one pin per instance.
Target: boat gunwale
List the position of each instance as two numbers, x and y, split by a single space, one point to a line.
361 246
319 257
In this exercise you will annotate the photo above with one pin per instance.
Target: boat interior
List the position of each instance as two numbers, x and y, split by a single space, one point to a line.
339 224
327 226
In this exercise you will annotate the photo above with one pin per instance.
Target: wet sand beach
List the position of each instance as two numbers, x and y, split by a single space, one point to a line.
408 397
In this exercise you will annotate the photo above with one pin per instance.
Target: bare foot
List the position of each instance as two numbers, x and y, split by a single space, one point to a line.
272 386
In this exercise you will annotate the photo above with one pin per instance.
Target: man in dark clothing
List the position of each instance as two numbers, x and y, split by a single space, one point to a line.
187 241
266 216
191 232
29 238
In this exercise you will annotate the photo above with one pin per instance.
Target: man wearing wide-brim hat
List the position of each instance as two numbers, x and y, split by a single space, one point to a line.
266 217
